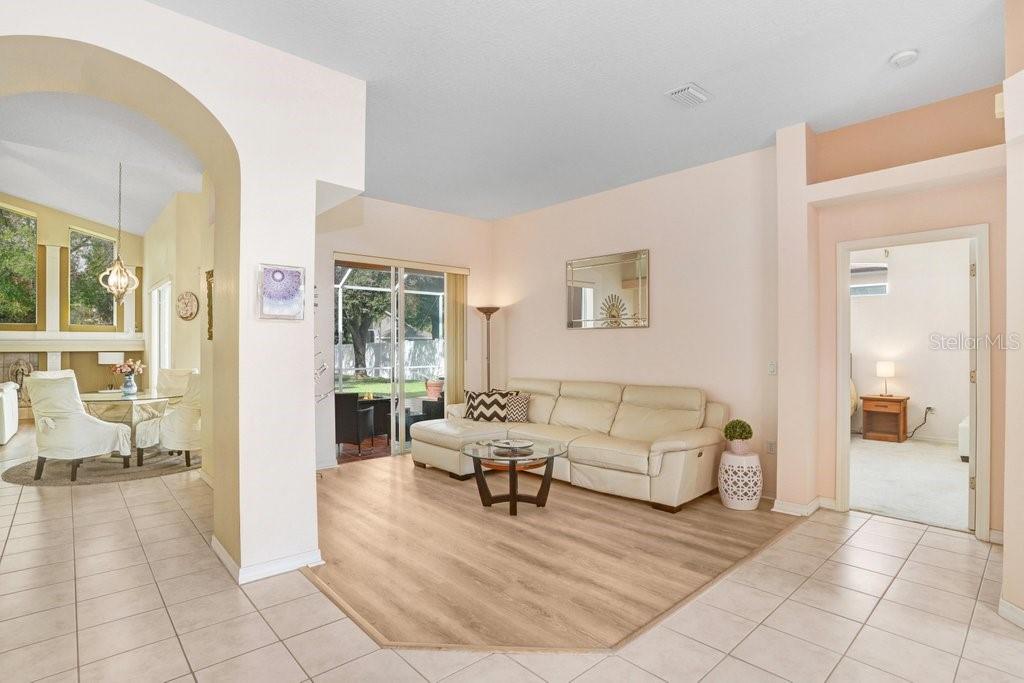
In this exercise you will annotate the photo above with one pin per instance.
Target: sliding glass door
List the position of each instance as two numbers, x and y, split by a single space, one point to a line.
389 354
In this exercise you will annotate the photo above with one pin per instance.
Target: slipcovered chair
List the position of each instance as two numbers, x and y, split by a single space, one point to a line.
173 381
8 411
169 382
178 430
64 431
54 374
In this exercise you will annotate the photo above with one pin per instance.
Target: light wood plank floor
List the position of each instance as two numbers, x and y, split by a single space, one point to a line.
415 558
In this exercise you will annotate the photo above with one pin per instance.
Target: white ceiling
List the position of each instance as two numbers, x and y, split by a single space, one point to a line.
493 108
62 150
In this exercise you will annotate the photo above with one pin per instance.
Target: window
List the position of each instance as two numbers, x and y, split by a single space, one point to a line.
89 255
18 267
159 330
869 279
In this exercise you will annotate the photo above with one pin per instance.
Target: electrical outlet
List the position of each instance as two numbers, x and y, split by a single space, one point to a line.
770 447
773 368
929 409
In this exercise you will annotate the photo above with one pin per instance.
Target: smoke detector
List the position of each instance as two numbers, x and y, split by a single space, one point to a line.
689 95
903 59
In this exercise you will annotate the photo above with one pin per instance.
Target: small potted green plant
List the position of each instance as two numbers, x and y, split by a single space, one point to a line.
738 433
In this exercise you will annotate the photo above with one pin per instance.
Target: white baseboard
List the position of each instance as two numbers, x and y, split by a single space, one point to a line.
795 509
205 476
995 536
262 570
1010 612
225 557
804 509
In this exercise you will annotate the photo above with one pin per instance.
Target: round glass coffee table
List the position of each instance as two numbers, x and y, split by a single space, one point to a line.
513 456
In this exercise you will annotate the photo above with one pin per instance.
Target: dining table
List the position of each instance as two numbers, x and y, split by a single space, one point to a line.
129 409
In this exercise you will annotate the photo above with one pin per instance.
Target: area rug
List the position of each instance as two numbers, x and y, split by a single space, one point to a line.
103 470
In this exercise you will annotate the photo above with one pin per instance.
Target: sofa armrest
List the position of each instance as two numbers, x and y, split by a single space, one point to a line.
688 440
455 410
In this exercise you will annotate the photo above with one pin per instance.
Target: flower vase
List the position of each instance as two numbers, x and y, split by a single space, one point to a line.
128 388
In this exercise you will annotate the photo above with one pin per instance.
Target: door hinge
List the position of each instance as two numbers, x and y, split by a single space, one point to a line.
974 483
974 376
974 270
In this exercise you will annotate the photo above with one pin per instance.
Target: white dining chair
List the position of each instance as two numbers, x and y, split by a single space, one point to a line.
173 381
180 427
170 382
64 431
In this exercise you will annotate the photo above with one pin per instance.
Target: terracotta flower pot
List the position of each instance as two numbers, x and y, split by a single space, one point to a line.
434 388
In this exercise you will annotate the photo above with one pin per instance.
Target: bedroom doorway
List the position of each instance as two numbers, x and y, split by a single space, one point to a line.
913 358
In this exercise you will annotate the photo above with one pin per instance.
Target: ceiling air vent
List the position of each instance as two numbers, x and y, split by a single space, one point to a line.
689 95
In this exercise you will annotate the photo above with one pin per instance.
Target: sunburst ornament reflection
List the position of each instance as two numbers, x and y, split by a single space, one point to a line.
613 311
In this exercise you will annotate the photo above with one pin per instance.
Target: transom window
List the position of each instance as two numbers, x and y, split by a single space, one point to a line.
18 267
89 255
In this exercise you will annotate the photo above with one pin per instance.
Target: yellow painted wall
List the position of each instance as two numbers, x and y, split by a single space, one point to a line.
53 226
92 376
175 250
179 247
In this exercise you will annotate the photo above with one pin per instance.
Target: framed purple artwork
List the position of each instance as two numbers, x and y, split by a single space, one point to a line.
282 292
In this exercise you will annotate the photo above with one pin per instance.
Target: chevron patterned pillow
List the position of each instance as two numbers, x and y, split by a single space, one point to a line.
488 406
518 408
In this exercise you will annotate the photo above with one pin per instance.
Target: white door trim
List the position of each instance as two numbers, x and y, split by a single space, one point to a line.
983 429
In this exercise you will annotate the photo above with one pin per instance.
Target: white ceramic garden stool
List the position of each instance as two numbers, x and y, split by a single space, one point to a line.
740 481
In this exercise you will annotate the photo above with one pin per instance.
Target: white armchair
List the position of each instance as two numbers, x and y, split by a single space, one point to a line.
180 426
173 381
64 431
8 411
169 382
178 430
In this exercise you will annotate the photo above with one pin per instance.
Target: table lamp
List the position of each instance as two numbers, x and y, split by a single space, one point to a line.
110 358
885 369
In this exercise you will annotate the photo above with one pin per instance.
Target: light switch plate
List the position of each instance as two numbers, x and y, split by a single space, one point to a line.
773 368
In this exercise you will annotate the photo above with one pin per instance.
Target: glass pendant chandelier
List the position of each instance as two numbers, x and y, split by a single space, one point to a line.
117 279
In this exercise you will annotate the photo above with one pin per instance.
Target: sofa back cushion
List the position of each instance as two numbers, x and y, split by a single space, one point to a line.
648 413
543 393
587 405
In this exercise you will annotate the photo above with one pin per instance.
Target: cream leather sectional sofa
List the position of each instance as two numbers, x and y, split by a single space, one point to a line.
654 443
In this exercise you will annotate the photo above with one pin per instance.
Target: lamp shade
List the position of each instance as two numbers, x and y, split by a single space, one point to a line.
110 357
885 369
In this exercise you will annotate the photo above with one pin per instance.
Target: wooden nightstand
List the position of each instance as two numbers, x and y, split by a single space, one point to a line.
885 418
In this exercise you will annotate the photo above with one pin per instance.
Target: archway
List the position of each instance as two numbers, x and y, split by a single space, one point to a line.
274 132
43 64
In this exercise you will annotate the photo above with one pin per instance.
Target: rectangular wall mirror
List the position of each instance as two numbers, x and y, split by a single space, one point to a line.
608 291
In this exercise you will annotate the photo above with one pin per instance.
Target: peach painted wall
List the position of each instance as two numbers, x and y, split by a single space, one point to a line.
711 233
958 124
982 202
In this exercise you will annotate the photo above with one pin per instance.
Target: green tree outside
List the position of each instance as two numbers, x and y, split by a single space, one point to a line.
17 267
90 303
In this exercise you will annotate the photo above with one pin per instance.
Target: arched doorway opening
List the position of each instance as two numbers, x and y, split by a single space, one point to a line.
36 64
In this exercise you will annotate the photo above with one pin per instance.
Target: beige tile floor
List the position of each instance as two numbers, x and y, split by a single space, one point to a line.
117 582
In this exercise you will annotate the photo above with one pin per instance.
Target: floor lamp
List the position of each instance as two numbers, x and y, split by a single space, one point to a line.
488 311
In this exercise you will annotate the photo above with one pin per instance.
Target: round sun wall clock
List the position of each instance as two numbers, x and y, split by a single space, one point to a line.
188 305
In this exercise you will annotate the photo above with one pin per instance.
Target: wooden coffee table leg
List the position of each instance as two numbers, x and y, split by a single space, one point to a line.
545 484
481 483
513 490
